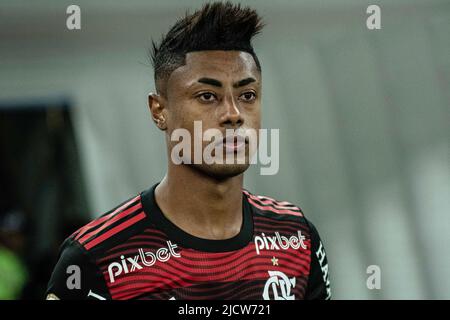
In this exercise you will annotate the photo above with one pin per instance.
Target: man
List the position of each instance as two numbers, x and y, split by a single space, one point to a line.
198 234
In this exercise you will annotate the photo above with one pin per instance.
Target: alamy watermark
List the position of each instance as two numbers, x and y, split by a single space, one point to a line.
73 21
373 21
374 280
237 146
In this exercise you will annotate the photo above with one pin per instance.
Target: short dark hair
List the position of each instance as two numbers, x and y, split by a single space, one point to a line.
216 26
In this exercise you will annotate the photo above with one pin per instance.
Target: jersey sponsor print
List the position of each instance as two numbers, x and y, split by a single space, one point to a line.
135 252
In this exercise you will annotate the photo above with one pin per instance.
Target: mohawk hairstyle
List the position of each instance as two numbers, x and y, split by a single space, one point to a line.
216 26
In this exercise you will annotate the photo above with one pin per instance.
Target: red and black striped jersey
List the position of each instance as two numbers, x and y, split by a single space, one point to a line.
135 252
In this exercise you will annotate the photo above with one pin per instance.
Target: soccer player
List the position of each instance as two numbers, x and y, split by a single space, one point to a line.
197 234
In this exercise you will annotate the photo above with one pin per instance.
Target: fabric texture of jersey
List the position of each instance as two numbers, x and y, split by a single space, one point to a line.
135 252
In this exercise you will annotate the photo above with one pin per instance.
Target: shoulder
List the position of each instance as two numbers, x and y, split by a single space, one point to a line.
112 227
268 211
265 204
74 275
82 250
271 208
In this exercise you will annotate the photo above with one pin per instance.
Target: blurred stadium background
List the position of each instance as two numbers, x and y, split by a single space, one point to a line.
364 123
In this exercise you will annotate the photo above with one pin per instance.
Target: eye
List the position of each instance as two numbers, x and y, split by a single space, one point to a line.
206 97
248 96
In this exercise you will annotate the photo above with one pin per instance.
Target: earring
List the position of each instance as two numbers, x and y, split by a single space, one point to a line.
160 123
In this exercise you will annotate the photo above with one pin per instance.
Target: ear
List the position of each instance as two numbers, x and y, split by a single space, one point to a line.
156 105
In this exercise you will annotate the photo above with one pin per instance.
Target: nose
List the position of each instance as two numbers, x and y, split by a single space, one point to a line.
232 116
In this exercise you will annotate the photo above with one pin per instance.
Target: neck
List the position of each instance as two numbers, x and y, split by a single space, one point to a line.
200 205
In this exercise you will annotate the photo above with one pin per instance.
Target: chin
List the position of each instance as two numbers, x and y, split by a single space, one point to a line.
222 171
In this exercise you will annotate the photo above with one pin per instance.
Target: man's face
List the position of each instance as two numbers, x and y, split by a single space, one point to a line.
222 89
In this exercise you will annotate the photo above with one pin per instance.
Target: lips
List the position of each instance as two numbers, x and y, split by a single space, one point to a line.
234 143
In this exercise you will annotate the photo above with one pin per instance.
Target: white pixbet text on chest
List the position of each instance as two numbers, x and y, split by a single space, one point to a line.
143 259
278 242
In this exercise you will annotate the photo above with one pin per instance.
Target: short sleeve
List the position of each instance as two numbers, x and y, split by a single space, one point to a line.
75 276
318 287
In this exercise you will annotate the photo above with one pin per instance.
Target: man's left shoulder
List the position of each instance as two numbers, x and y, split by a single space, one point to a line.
274 210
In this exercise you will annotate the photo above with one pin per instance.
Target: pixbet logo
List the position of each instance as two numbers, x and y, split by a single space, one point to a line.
143 259
278 242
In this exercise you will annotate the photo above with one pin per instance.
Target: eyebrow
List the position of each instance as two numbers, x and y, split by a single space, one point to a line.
217 83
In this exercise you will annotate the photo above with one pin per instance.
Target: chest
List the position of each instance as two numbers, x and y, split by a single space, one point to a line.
272 266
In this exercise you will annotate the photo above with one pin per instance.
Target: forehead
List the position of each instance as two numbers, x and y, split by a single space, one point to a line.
221 65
